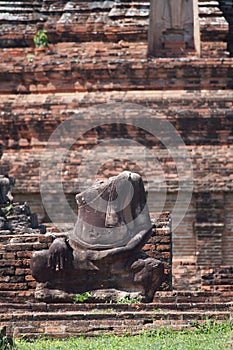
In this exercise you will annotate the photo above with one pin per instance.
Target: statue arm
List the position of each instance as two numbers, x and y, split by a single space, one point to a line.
59 254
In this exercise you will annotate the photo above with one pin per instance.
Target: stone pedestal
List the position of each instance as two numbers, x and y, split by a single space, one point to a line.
173 28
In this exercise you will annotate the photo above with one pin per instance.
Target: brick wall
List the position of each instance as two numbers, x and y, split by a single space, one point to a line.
100 21
16 282
207 132
66 68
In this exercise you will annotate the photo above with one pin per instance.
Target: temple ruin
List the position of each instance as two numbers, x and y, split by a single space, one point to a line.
98 54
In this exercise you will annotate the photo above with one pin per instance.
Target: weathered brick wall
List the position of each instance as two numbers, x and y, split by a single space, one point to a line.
159 246
204 121
207 132
88 21
217 279
16 282
122 67
208 266
202 118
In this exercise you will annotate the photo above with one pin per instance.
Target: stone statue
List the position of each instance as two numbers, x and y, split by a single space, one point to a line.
6 184
173 22
173 13
104 250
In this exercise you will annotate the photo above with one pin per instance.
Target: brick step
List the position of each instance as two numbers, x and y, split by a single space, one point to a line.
16 9
217 48
75 323
220 101
86 30
17 4
210 11
21 18
180 297
185 299
221 280
116 307
205 8
80 68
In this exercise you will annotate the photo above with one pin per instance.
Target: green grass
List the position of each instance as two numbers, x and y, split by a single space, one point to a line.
210 336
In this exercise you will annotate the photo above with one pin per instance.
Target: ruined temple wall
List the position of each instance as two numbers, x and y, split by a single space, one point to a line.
201 117
97 63
204 123
208 266
16 282
120 67
98 21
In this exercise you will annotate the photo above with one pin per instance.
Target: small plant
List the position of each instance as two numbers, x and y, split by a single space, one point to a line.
102 311
41 38
30 57
75 59
80 298
6 343
9 209
128 300
157 310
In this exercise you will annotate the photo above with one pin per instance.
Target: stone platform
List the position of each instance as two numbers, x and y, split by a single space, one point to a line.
176 310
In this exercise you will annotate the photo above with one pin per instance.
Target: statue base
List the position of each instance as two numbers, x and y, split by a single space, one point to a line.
94 296
136 276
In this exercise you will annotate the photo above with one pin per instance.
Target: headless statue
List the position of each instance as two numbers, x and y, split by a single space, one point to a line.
104 249
171 22
174 14
6 184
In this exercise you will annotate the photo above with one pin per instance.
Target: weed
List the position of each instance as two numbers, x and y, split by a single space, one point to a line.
157 310
41 38
102 311
8 210
128 300
30 57
75 59
211 325
80 298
